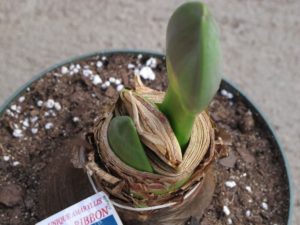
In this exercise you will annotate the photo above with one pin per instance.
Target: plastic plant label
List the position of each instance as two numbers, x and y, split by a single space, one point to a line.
94 210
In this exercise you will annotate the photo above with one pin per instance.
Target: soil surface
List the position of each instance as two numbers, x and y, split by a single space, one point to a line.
39 129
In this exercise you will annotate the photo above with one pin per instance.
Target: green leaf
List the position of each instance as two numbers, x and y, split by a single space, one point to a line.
125 143
193 65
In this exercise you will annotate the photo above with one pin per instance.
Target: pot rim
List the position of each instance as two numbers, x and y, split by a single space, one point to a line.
229 85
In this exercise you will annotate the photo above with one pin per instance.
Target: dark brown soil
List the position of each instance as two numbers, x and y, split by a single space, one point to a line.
252 186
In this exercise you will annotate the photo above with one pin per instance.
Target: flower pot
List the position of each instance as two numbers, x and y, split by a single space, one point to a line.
66 188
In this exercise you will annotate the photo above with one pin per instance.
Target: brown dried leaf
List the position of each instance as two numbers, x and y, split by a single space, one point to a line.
93 168
153 128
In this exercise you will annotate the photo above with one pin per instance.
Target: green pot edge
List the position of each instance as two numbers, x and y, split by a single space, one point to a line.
230 86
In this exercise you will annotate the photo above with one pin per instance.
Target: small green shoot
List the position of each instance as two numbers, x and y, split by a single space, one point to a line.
193 66
125 143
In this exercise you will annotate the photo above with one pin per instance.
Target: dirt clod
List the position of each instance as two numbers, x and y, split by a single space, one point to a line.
229 161
247 122
11 195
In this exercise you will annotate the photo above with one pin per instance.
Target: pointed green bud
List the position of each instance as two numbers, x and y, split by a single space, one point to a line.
193 65
125 143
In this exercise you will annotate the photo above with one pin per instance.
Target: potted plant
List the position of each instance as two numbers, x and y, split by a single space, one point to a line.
169 176
161 146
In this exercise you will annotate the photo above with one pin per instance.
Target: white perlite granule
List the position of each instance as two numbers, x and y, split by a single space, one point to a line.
49 126
264 205
97 80
99 64
226 94
76 119
229 221
130 66
16 163
147 73
72 67
249 189
50 103
118 81
18 133
6 158
152 62
248 213
34 130
21 99
10 113
104 86
226 210
19 108
64 70
34 119
87 72
40 103
26 122
57 106
230 184
120 87
112 80
13 107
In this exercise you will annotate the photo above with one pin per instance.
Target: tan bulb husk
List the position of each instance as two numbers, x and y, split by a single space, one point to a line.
188 181
174 176
153 128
